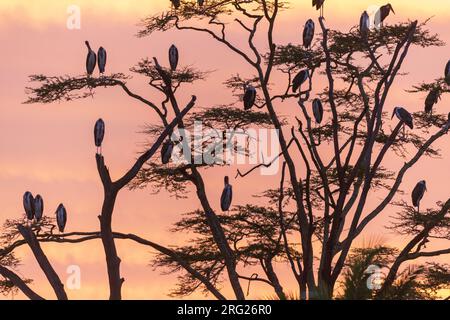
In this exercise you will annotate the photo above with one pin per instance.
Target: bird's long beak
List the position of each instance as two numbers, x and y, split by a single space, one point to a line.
393 114
392 9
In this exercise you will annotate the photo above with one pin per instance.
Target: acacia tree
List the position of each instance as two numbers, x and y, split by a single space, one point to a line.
326 194
312 218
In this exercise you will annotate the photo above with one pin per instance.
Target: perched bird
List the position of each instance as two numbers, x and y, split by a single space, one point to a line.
227 195
101 55
384 12
61 217
308 33
447 73
418 192
364 25
404 116
38 208
249 97
317 110
99 134
173 57
166 151
200 2
91 59
175 3
28 205
319 5
432 98
299 79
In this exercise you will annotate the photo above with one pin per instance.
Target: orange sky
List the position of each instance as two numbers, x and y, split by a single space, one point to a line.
48 149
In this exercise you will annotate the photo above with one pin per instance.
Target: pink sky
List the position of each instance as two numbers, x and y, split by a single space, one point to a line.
48 149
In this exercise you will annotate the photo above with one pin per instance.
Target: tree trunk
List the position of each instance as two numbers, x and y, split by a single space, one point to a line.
43 262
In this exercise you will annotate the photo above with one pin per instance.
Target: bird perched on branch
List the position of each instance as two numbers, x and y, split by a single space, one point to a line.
384 12
101 55
418 192
432 98
317 110
227 195
91 59
99 134
364 25
299 79
166 151
404 116
249 97
28 205
38 207
173 57
308 33
61 217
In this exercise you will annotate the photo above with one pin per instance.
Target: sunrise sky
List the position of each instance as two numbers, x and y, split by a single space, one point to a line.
48 149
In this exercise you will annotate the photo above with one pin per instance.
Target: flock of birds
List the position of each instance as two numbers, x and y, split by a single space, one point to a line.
34 206
34 210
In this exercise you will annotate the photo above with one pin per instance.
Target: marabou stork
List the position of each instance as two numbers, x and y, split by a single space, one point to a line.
418 192
404 116
99 134
364 25
61 217
249 97
101 55
38 207
384 12
299 79
200 2
28 205
227 195
317 110
166 151
173 57
91 60
308 33
432 98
